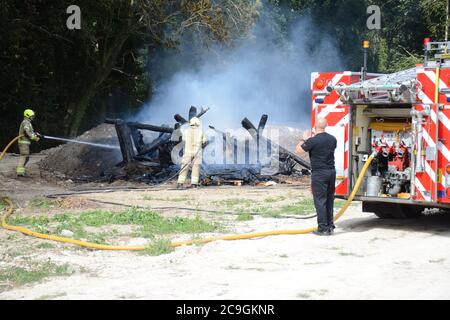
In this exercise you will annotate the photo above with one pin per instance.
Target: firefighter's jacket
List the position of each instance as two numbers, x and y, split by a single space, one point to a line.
27 132
193 138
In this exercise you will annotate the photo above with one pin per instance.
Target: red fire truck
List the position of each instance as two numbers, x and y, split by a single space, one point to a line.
405 118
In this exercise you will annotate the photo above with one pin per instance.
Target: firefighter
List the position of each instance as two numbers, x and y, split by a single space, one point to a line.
194 140
321 148
27 135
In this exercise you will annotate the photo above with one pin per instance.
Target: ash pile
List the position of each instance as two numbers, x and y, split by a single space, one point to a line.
252 154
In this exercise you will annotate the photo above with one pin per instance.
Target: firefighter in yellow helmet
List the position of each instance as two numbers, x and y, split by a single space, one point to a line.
194 140
27 135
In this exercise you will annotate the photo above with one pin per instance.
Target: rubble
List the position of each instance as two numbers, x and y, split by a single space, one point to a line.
81 163
145 154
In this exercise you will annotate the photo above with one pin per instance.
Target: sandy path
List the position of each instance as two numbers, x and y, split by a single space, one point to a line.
368 258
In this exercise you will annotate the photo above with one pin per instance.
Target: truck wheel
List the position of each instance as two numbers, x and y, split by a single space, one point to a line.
408 212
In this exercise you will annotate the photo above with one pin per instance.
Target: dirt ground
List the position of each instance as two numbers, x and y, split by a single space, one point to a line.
367 258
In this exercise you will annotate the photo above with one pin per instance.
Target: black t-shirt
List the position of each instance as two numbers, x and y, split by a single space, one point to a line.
321 151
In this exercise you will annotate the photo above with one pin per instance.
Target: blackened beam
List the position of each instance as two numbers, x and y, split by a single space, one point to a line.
202 112
138 125
179 118
248 125
124 136
192 112
161 140
262 123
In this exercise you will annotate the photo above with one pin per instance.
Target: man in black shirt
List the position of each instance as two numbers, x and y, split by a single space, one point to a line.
321 148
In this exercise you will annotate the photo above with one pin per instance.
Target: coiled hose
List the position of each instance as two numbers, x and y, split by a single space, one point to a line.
10 211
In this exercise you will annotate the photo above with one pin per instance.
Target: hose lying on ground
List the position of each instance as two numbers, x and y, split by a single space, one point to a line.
10 211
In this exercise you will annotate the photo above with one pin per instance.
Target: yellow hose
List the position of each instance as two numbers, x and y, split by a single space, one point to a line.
90 245
8 146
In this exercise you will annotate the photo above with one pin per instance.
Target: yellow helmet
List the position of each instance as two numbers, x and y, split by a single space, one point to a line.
29 114
194 122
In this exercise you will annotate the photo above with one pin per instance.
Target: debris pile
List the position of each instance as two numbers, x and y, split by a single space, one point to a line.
146 154
82 163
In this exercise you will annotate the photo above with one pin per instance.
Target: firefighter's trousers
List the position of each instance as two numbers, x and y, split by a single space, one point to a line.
24 149
323 187
195 172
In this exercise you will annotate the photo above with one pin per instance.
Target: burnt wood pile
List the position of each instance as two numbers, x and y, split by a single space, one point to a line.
151 162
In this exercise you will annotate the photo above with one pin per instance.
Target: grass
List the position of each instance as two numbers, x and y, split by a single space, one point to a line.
234 202
150 223
244 216
51 296
300 207
45 245
18 276
275 199
11 237
158 247
42 203
303 206
161 225
178 199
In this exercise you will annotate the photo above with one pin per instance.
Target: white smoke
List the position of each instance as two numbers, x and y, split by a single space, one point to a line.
259 76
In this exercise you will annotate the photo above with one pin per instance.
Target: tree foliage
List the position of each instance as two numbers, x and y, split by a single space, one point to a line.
74 78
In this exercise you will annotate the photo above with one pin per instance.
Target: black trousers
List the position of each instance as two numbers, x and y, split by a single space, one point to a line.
323 187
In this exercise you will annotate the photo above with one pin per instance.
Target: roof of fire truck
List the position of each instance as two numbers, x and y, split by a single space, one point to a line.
398 88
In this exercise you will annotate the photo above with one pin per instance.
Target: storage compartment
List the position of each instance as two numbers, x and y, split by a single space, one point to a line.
388 132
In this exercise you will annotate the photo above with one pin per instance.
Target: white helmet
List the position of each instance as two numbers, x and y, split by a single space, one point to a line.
194 122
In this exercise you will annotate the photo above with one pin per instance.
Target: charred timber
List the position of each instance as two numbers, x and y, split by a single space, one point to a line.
180 119
138 125
284 153
158 142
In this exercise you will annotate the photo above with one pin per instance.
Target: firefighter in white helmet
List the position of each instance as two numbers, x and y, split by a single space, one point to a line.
194 140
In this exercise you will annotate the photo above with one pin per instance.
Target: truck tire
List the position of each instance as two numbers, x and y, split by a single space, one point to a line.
408 212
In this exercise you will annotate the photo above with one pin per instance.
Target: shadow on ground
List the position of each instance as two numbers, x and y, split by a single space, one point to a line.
430 222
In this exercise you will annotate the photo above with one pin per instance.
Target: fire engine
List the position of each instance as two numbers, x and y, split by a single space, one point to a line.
405 118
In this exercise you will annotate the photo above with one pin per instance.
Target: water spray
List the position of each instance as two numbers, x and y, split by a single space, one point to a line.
98 145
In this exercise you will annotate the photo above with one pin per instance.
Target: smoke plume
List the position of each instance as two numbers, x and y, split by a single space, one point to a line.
261 75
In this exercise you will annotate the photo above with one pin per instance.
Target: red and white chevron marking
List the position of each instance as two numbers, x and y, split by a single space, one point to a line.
430 184
337 115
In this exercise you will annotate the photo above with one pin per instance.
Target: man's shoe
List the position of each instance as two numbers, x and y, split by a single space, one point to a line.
180 186
195 186
322 233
